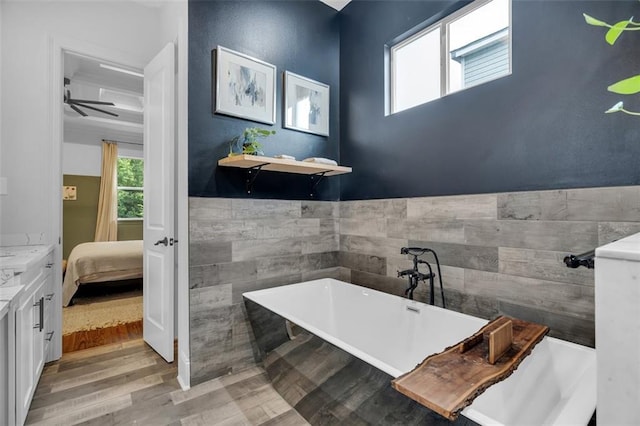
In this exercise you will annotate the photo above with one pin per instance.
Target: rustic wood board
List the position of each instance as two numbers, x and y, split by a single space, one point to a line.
449 381
500 341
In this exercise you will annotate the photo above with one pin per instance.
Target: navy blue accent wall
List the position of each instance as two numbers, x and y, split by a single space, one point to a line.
299 36
542 127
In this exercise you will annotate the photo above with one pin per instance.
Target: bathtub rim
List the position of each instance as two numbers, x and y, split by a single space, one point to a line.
390 370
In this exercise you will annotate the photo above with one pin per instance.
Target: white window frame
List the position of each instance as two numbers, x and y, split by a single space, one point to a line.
129 188
444 49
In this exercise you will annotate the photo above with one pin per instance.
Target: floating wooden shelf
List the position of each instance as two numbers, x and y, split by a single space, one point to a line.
245 161
255 163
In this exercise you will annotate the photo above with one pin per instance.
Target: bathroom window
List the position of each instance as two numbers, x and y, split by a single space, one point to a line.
469 47
130 188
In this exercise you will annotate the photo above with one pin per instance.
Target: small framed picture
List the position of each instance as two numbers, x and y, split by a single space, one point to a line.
244 87
306 104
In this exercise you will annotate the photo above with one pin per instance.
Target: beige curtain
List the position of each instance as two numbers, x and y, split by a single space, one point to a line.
107 224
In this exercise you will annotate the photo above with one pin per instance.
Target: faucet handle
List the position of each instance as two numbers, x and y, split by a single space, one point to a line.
405 272
427 276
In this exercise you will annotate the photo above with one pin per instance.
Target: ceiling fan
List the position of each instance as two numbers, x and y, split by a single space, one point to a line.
75 103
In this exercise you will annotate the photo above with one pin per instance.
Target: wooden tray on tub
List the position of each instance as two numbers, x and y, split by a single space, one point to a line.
450 380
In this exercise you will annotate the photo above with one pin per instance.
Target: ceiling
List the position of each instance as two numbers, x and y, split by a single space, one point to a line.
91 81
336 4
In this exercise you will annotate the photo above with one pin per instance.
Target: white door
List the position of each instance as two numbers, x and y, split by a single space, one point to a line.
159 148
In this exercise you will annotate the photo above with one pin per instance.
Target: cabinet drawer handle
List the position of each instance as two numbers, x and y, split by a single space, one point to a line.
40 305
50 336
50 296
39 324
48 265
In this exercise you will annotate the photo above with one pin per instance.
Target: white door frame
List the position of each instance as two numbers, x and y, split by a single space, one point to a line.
58 45
182 204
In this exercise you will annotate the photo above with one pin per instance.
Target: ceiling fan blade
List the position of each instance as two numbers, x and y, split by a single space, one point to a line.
83 101
76 109
96 109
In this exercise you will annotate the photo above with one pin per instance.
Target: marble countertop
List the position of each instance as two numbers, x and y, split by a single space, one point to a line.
9 293
627 248
20 258
4 308
15 260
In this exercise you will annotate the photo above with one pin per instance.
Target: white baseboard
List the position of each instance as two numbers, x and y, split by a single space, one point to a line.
184 369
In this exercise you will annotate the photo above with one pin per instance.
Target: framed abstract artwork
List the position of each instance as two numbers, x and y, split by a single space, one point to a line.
244 87
306 104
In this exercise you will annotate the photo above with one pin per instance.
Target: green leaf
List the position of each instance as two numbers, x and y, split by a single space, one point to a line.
593 21
612 35
628 86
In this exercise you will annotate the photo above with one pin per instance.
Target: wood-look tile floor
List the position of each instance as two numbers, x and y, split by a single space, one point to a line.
128 383
86 339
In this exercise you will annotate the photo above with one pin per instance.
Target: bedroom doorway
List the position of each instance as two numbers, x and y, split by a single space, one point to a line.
126 50
103 104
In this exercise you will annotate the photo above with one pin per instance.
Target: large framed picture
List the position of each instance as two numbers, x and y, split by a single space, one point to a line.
306 104
245 87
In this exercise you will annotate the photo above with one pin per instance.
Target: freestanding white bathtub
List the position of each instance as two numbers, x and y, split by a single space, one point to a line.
556 384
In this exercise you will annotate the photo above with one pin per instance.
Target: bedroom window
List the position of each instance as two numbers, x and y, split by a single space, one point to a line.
468 47
130 188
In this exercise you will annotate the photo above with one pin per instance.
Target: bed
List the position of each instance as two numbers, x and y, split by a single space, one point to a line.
101 262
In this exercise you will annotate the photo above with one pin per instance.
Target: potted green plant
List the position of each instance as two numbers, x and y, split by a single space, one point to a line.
248 141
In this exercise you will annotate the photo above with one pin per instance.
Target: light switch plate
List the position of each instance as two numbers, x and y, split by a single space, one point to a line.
69 193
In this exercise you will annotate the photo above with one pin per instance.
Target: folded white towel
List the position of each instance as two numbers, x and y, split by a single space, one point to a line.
285 157
321 161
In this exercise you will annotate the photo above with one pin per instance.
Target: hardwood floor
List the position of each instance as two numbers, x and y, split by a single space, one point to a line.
86 339
128 383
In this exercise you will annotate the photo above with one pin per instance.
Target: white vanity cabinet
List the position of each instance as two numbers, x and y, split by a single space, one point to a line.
617 290
29 344
30 322
31 325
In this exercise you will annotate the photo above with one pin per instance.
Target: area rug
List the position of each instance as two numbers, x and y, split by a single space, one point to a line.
91 313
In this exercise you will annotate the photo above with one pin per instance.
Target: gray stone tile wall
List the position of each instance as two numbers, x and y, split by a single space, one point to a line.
500 254
239 245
